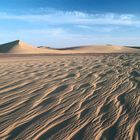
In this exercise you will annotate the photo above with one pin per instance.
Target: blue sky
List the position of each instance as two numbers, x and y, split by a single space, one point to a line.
63 23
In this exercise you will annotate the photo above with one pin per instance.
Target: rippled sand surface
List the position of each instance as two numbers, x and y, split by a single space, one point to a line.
70 97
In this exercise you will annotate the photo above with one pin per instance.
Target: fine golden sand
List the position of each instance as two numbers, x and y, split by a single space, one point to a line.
77 97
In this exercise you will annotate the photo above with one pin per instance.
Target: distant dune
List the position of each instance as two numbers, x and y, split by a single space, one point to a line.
19 47
100 49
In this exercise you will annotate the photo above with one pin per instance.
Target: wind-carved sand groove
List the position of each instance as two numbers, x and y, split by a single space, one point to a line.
70 97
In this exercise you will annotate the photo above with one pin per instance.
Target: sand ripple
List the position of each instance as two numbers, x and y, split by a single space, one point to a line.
70 97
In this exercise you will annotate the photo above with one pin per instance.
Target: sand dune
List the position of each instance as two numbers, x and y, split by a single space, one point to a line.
101 49
106 49
19 47
70 97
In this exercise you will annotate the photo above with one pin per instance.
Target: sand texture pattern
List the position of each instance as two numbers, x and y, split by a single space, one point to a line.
70 97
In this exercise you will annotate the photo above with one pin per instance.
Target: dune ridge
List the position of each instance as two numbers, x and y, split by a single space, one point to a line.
70 97
19 47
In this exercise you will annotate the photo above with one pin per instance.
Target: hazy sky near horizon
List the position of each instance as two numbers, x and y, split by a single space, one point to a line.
62 23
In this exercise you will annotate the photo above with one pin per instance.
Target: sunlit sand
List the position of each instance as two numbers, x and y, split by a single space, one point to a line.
86 93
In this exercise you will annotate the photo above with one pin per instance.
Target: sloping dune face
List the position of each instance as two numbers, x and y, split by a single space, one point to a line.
19 47
70 97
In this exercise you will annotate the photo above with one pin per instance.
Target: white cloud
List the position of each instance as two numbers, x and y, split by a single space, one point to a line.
58 37
76 18
99 28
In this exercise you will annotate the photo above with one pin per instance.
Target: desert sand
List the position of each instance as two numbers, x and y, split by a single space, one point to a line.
69 97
